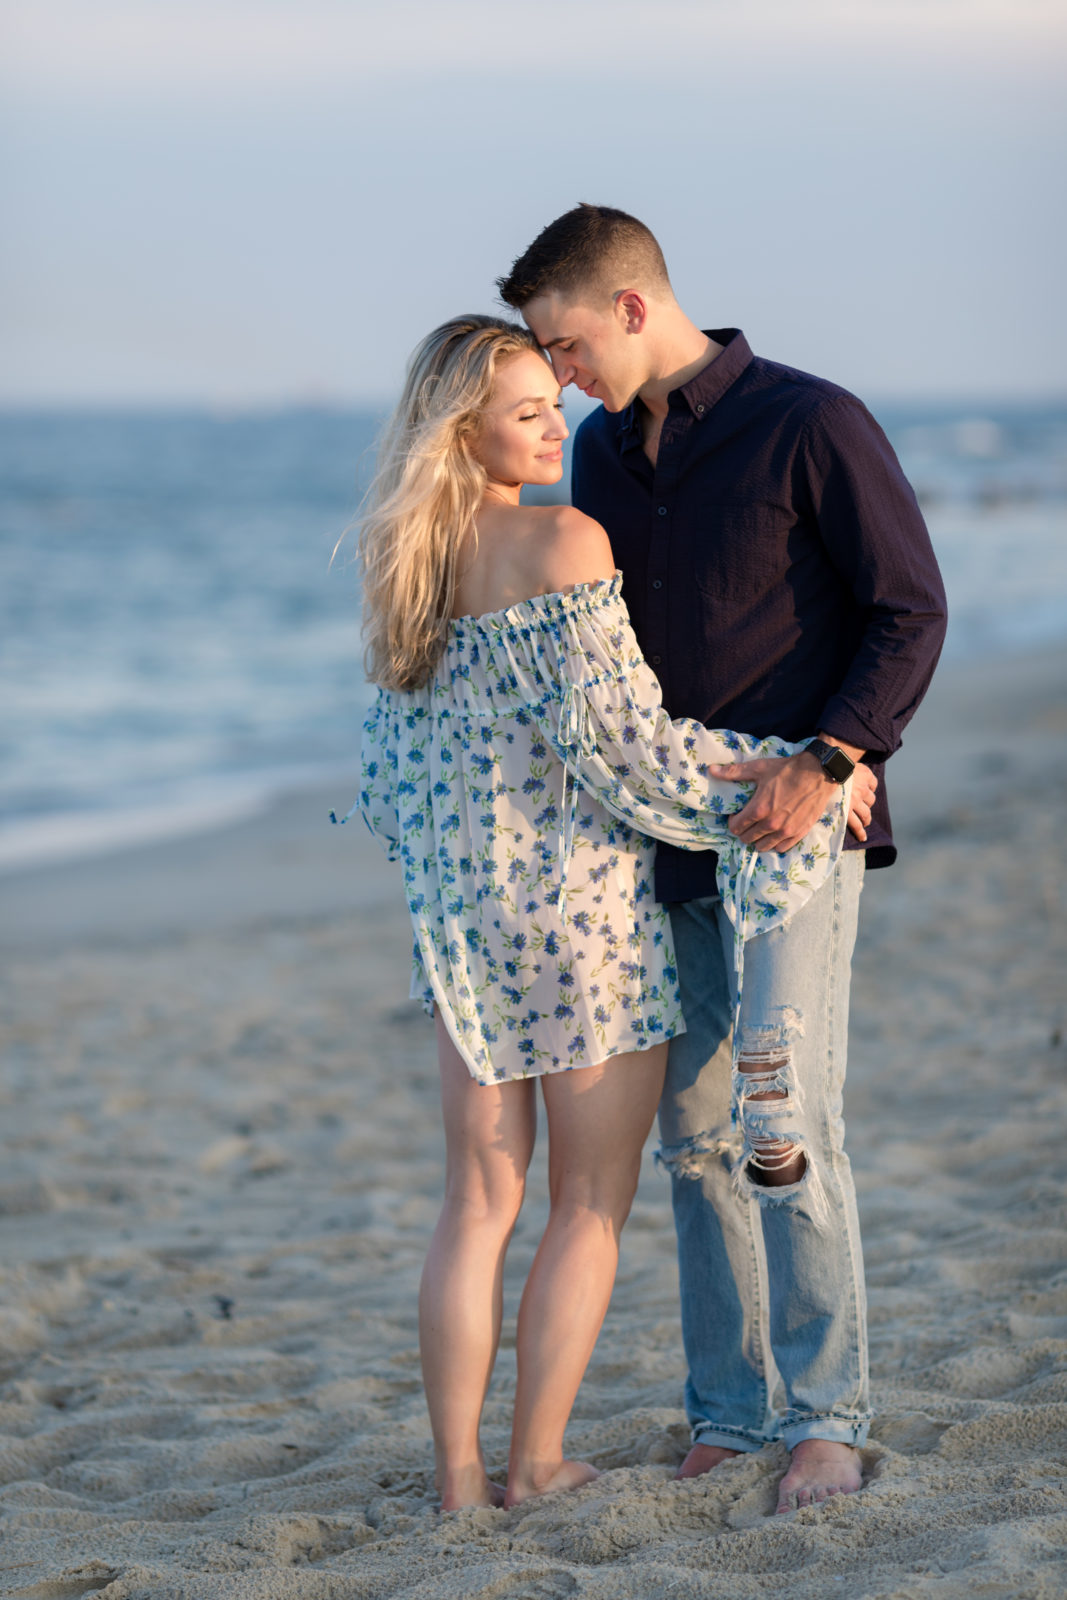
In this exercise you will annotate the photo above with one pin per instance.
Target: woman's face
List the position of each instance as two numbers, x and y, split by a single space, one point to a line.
521 436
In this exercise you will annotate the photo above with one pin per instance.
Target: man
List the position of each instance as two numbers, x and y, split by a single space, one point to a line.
780 580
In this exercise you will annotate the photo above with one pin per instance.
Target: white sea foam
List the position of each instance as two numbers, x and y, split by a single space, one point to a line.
198 807
69 835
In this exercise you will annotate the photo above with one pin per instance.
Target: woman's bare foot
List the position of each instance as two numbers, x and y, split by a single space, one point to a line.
702 1457
819 1468
468 1486
546 1480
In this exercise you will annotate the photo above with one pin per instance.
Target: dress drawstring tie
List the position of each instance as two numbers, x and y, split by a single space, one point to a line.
742 885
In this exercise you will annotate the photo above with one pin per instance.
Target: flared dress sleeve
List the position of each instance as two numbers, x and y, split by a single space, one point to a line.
609 727
377 800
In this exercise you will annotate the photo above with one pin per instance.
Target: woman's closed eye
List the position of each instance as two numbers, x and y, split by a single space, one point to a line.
532 416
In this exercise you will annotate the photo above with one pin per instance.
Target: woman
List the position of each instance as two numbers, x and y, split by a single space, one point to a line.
517 744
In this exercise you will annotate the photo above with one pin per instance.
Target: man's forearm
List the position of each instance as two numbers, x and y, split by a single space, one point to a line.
853 751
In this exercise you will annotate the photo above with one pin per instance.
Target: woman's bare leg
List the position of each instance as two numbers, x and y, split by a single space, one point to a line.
598 1120
489 1136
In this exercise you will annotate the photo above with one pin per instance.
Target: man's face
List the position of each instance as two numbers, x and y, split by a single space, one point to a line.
590 348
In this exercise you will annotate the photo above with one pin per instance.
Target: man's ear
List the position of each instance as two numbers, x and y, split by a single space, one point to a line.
631 308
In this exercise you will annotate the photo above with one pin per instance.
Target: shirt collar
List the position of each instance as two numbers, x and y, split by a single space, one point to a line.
701 392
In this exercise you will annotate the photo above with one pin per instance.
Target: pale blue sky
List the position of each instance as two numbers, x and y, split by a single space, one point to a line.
266 201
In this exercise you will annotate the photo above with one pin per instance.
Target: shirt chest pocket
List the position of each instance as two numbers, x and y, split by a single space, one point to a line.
743 551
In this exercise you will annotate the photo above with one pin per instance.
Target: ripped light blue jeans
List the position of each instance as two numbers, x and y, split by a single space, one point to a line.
773 1301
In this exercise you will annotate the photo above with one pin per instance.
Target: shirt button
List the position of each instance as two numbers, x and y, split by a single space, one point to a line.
700 411
655 660
662 510
657 583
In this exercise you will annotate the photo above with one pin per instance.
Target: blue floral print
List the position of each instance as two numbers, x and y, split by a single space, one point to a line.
521 789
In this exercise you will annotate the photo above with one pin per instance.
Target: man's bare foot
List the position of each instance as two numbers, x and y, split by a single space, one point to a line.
819 1469
468 1486
702 1457
568 1475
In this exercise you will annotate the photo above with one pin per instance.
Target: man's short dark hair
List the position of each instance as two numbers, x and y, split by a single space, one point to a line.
589 253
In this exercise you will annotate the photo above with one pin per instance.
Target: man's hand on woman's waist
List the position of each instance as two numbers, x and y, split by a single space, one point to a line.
790 797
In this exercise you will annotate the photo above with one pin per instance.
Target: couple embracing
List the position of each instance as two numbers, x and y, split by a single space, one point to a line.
629 753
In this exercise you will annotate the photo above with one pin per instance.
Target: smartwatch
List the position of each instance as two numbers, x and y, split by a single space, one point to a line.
837 766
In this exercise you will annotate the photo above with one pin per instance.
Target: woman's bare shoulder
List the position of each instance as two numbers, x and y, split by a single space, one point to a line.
568 548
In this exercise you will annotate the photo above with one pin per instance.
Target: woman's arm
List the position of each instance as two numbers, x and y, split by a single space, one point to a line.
660 775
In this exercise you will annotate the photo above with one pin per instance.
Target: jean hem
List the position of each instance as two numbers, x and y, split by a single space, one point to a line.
836 1430
725 1438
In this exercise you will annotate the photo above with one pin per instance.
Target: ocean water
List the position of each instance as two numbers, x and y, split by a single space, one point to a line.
176 645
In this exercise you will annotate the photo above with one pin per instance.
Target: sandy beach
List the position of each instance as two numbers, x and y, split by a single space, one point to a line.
221 1161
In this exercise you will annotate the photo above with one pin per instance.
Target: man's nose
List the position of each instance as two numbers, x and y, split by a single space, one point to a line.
563 368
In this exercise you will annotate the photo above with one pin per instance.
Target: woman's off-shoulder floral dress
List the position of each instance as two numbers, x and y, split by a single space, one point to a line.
519 788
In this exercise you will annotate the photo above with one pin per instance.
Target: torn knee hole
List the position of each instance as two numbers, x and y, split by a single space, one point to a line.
768 1109
772 1162
692 1157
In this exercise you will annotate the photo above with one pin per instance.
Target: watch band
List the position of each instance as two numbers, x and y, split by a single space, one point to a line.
837 766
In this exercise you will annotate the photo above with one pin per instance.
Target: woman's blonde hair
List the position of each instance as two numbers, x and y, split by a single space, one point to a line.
421 506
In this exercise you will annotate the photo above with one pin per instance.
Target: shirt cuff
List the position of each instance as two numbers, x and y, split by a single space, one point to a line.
839 719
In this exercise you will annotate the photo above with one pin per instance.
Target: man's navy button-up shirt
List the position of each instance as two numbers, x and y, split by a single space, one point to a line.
775 563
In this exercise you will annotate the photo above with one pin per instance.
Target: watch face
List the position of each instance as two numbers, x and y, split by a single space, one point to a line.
838 765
